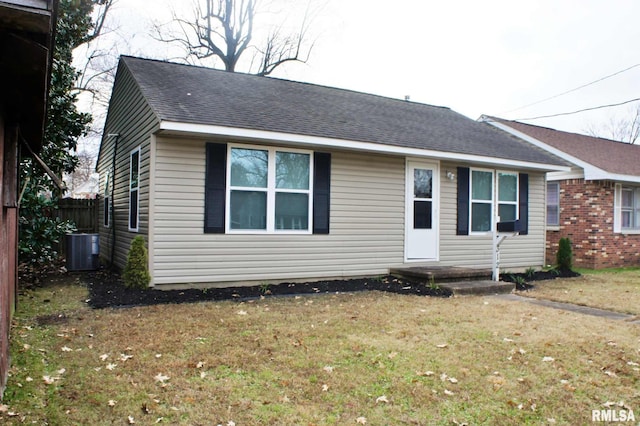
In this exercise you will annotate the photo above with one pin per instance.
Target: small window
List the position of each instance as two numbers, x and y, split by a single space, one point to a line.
507 196
107 200
553 204
134 189
630 209
269 190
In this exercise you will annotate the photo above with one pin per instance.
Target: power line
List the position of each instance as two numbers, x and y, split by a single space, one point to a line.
576 112
574 89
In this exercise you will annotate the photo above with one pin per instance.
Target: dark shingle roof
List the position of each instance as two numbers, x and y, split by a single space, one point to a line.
608 155
189 94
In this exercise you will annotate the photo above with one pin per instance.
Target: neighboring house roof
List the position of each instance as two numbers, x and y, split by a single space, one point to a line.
206 97
600 158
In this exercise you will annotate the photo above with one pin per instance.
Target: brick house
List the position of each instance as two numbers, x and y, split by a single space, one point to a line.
597 203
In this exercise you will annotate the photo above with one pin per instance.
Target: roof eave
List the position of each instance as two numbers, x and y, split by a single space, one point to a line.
173 128
591 172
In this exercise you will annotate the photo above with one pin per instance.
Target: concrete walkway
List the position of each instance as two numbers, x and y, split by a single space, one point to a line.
633 319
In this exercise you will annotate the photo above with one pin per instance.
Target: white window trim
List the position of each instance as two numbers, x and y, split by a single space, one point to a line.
137 189
557 224
271 191
472 201
107 211
511 203
495 197
618 209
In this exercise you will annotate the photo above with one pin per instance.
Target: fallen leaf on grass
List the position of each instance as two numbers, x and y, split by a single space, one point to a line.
48 380
442 345
382 398
66 349
111 367
328 369
361 420
448 392
111 403
496 381
548 359
325 388
161 378
242 312
125 357
104 357
131 420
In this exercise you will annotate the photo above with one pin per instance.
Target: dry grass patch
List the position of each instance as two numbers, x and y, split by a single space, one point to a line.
336 359
615 290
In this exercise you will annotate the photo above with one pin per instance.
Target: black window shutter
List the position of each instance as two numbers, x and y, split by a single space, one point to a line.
321 192
215 187
462 227
523 205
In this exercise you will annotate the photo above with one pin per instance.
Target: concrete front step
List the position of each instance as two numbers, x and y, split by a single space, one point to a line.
482 287
457 279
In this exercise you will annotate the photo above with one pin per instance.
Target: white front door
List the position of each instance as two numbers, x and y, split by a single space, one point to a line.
423 189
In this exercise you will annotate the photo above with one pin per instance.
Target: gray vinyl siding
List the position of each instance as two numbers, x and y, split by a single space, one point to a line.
367 225
131 117
475 250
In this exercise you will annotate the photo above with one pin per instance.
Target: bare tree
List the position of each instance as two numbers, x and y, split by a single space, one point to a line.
83 180
625 129
225 29
96 60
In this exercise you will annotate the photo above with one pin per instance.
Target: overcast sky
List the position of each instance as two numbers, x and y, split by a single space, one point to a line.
476 57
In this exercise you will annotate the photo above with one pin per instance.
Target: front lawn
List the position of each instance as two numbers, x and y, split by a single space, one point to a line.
364 358
614 289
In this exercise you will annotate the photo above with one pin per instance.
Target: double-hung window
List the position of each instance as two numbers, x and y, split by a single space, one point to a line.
507 196
553 204
630 208
485 193
134 189
481 200
269 190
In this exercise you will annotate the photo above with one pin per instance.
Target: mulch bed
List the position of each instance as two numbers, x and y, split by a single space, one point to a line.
536 276
107 290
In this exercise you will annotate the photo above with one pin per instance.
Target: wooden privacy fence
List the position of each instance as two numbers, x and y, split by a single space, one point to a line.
82 212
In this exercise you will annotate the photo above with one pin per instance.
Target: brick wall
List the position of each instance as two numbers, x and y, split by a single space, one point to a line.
586 217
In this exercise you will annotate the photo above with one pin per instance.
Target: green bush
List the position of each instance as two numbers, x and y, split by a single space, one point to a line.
564 257
136 271
40 229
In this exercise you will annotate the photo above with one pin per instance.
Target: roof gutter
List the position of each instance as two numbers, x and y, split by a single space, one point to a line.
173 128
